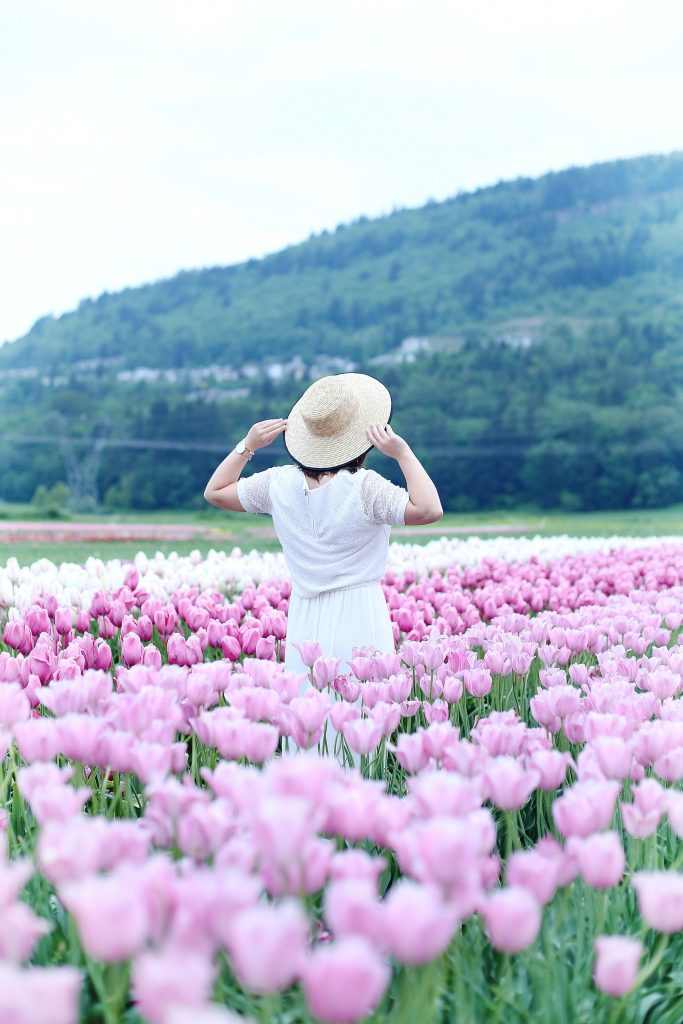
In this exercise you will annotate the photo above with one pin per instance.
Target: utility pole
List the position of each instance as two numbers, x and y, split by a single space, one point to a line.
82 456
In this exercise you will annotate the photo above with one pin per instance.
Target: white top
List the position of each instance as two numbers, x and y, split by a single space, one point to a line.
334 535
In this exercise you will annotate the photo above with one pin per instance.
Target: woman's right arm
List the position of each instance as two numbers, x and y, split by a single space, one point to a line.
221 489
424 505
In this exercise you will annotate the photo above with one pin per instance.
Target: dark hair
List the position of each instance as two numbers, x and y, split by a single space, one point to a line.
352 466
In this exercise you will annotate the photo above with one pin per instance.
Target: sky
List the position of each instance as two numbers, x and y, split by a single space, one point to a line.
141 137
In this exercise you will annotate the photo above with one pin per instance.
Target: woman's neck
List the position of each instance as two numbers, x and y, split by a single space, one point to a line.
314 481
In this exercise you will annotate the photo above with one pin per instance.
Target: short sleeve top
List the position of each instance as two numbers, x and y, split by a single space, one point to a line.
333 536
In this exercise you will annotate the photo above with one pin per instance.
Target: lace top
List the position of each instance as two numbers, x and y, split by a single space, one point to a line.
333 536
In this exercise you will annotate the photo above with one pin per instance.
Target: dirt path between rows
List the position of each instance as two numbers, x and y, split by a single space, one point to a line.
90 533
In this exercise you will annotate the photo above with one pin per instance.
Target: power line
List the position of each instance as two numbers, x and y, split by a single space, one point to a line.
124 442
557 448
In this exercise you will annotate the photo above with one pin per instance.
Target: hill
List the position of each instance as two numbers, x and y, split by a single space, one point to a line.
546 364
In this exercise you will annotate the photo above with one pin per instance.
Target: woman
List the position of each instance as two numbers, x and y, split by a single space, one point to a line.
332 516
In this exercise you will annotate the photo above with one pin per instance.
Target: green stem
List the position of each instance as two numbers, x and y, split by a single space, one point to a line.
111 985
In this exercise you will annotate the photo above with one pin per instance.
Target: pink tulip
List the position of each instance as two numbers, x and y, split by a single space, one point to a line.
39 776
265 648
419 923
41 662
347 688
448 852
543 710
375 692
57 803
103 656
251 634
509 783
386 716
18 636
309 651
10 668
33 995
13 876
260 741
258 704
436 712
352 908
585 808
176 649
144 627
81 737
325 672
661 682
496 662
15 706
166 620
431 686
551 766
110 914
37 620
82 622
282 825
388 664
100 604
83 845
617 958
674 811
20 932
439 738
362 735
267 946
357 864
410 752
405 620
362 667
132 578
231 648
344 981
534 871
63 620
513 919
552 677
167 978
641 818
131 649
614 755
309 715
437 793
660 899
601 858
478 682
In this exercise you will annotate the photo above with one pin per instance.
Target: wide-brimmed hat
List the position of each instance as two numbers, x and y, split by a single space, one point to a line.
327 427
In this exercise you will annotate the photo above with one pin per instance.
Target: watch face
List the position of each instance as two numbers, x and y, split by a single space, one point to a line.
240 448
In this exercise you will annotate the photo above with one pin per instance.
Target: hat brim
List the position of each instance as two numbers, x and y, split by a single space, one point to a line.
314 452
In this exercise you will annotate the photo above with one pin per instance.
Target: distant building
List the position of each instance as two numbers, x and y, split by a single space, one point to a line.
407 351
514 340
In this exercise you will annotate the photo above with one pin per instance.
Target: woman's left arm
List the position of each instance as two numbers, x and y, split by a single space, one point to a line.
221 489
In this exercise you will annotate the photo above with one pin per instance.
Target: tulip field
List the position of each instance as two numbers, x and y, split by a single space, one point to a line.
481 825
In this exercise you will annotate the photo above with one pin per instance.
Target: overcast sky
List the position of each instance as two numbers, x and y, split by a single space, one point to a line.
140 137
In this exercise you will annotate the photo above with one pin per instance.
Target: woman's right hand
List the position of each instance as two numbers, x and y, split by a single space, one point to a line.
386 441
264 433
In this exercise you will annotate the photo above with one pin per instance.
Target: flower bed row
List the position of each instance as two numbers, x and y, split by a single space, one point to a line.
483 824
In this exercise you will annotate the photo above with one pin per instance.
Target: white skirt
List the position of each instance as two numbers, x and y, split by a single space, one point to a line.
339 620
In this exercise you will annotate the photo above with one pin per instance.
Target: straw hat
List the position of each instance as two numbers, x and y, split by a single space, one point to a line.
327 427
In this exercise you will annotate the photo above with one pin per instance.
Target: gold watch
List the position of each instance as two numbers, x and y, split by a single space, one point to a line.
241 448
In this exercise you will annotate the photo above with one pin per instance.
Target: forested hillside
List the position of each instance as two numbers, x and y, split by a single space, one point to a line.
550 371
